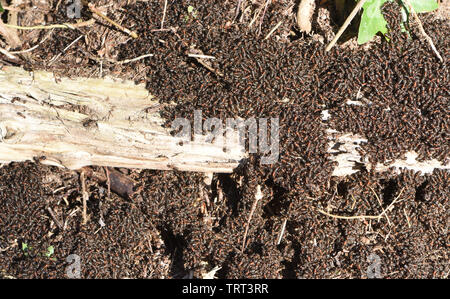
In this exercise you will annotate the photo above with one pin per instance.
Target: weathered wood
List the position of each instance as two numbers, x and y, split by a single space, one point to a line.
343 149
305 12
76 122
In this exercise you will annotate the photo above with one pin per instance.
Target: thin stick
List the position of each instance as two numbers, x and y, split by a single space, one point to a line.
264 13
238 9
201 56
255 16
164 14
381 205
34 47
407 218
422 31
85 196
134 59
392 203
94 10
283 228
8 54
348 217
345 25
53 26
362 216
121 61
65 49
273 30
108 182
208 67
50 211
258 196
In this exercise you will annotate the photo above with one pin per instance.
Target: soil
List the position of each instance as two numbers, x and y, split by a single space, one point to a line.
175 225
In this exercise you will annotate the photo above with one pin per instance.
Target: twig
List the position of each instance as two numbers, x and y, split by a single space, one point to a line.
362 216
108 182
50 211
53 26
348 217
133 59
34 47
94 10
258 196
407 218
381 204
8 54
345 25
121 61
255 16
65 49
173 29
422 31
85 196
280 236
273 30
392 203
164 14
264 13
238 9
201 56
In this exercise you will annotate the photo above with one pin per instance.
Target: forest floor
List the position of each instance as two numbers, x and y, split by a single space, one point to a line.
176 225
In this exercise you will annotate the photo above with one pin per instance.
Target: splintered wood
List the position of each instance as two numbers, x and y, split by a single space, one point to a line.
77 122
344 148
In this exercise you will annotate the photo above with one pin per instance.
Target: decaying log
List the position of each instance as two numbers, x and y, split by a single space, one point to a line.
304 14
343 149
76 122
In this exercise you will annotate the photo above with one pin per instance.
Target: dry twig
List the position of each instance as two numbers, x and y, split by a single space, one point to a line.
345 25
58 223
258 196
422 31
283 228
273 30
94 10
363 216
7 54
381 204
35 46
53 26
266 5
164 14
85 196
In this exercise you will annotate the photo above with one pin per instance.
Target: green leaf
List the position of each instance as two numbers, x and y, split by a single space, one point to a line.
422 5
1 8
50 251
372 21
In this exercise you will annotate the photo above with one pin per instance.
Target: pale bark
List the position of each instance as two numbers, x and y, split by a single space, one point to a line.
304 15
76 122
